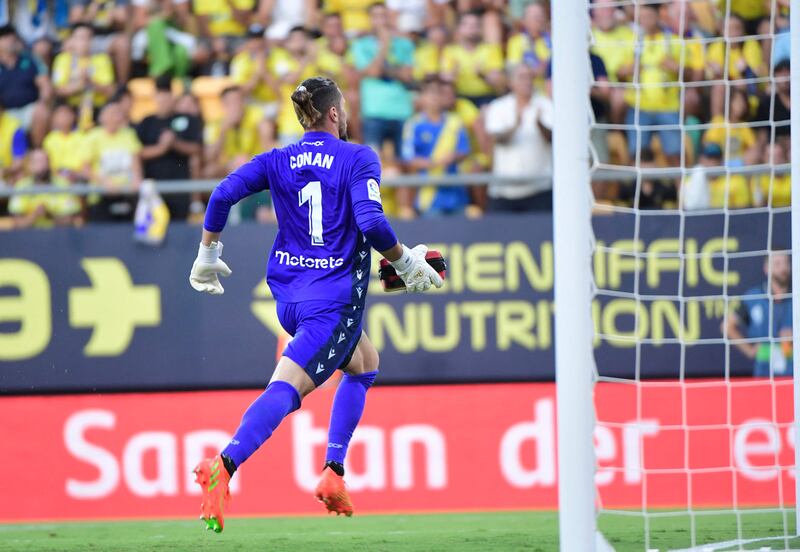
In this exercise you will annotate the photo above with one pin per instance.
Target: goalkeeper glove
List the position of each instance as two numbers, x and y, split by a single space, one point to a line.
415 271
207 267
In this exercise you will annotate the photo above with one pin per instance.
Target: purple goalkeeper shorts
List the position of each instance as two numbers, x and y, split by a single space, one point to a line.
324 335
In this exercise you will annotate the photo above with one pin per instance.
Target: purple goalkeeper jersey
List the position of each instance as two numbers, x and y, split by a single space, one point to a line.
326 194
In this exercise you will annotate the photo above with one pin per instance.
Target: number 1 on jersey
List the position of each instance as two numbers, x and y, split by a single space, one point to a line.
312 193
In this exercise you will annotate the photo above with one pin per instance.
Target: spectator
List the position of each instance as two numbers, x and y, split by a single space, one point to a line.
13 146
227 20
737 142
745 61
35 23
356 19
749 12
109 20
520 124
532 45
281 16
475 66
656 66
771 189
775 114
115 166
651 192
385 63
250 71
727 191
42 210
169 142
66 146
125 100
24 85
80 77
233 140
764 316
331 29
434 142
491 17
479 144
410 17
188 105
428 54
613 40
162 36
292 65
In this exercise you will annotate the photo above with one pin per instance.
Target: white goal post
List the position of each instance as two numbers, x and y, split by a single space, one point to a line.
575 290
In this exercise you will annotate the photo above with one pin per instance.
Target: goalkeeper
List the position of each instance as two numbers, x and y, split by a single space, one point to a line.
326 194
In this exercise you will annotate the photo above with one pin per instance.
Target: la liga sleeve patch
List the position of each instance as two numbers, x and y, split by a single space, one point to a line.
373 190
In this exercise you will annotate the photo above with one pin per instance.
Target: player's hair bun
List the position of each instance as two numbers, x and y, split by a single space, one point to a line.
307 114
314 97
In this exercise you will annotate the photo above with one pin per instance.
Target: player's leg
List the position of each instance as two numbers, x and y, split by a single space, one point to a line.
348 406
282 397
289 384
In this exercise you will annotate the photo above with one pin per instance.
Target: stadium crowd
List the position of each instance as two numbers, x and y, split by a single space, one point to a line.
112 92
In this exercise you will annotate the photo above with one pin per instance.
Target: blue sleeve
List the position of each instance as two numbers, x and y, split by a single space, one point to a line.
248 179
365 197
19 144
463 147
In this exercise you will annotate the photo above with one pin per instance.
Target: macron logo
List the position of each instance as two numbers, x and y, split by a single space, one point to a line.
286 258
315 143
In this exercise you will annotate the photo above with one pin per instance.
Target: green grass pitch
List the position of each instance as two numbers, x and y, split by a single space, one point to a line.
501 531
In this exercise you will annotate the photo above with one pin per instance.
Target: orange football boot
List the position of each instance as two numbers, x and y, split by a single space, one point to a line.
213 478
332 493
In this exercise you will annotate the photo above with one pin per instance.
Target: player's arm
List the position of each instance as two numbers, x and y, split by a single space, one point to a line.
247 180
410 264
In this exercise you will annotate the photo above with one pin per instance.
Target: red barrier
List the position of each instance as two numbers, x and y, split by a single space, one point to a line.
418 448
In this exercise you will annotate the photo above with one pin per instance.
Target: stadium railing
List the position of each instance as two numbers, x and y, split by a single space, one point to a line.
604 173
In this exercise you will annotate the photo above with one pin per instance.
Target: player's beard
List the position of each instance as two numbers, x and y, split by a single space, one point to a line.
343 132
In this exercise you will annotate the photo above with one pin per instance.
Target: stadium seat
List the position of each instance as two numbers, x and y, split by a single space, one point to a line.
209 91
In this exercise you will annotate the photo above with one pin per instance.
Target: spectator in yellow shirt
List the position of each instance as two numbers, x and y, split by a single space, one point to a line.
428 54
474 65
80 76
770 189
613 40
42 210
532 45
224 18
354 13
233 140
65 145
735 186
113 158
745 61
737 142
250 71
751 12
655 65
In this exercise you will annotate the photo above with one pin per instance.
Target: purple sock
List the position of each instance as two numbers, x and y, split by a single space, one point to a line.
260 420
348 405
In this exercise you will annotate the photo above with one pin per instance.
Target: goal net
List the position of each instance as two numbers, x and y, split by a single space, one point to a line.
693 395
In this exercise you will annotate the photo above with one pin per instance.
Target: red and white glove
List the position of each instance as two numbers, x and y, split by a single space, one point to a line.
415 271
